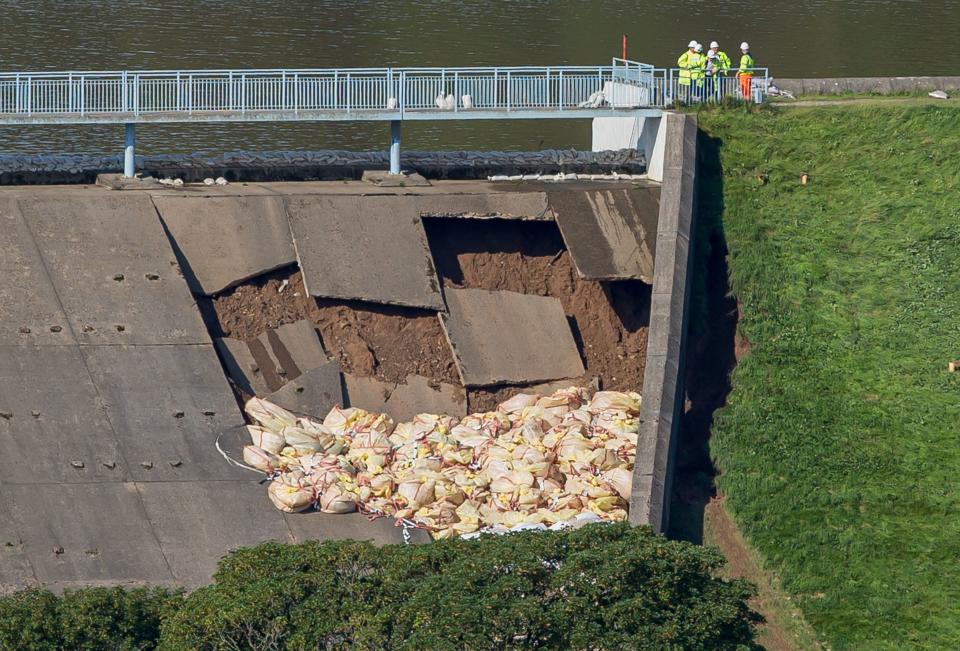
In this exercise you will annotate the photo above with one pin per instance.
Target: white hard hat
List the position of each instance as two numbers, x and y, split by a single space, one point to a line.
693 44
699 48
744 46
714 44
711 54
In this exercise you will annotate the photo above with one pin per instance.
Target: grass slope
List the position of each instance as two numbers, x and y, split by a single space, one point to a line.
838 448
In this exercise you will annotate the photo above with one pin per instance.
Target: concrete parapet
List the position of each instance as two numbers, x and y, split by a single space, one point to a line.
862 85
662 382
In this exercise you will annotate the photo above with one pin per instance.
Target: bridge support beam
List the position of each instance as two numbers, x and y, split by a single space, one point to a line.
130 141
395 146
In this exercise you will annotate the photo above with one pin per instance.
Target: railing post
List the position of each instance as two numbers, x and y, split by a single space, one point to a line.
349 92
123 81
190 94
243 93
29 95
509 92
231 96
560 92
283 90
456 91
402 96
70 92
83 95
136 94
130 141
395 146
296 92
179 93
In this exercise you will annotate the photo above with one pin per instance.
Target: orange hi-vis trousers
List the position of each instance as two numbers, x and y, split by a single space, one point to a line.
745 82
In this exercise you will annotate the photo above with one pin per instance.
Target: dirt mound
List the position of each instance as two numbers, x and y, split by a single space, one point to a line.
387 342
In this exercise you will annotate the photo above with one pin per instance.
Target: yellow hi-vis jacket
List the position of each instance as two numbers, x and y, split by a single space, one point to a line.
692 66
723 62
746 66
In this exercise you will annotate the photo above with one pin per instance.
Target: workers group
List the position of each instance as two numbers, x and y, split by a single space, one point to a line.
701 75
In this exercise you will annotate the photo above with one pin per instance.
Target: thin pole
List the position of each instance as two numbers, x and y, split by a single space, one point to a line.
129 165
395 146
624 47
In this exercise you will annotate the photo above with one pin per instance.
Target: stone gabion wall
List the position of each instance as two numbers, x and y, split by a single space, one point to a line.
320 165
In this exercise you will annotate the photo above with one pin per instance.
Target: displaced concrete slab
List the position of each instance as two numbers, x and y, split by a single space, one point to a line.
404 401
509 338
122 182
387 180
167 405
611 234
241 366
86 534
30 311
293 348
52 425
313 393
224 241
364 248
490 205
199 522
351 526
113 269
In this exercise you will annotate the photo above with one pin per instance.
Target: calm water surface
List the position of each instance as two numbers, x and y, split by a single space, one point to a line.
812 38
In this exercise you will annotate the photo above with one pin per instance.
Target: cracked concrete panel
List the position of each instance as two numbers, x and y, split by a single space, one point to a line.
241 366
30 311
53 427
403 401
87 534
293 348
313 393
199 522
113 269
224 241
364 248
509 338
167 405
611 234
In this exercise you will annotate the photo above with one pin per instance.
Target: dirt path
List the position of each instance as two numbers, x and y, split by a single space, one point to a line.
786 629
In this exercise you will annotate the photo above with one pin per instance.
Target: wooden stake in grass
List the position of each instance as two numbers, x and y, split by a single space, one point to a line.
804 178
953 366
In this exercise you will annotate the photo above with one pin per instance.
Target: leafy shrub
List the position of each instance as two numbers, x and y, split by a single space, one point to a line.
88 619
602 587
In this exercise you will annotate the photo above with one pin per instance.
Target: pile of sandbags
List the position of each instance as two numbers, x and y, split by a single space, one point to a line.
537 461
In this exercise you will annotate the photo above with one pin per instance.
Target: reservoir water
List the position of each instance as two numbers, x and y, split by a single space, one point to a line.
816 38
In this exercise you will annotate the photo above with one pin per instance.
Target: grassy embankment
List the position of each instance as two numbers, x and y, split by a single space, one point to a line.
838 449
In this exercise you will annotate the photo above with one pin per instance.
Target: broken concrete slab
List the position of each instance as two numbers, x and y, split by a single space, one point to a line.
86 534
387 180
490 205
292 348
611 234
509 338
352 526
167 405
364 248
122 182
313 393
113 269
198 522
224 241
241 366
52 425
403 401
30 311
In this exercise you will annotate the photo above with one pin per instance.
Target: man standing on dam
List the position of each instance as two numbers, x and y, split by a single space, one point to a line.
745 72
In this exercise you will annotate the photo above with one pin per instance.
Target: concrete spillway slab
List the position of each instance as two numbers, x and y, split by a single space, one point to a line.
404 401
224 241
30 311
167 404
241 366
53 427
364 248
16 572
611 234
497 205
291 349
313 393
113 269
198 522
86 534
509 338
352 526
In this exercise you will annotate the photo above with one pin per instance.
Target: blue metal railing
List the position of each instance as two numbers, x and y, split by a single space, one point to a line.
349 90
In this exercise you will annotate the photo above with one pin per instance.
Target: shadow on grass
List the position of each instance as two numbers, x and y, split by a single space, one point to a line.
710 350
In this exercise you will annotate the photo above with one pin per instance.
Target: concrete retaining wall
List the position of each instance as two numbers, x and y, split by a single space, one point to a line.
643 134
663 393
882 85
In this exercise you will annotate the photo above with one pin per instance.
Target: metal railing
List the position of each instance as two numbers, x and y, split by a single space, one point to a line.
347 91
699 88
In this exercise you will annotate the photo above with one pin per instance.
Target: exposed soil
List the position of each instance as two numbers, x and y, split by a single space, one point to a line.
609 320
371 340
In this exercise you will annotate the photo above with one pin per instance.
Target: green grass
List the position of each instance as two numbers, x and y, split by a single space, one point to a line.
839 448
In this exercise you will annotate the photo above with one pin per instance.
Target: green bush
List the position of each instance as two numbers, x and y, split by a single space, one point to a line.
93 618
602 587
